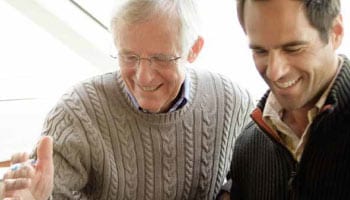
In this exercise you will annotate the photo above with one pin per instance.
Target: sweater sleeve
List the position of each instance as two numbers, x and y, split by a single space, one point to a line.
71 153
249 105
243 110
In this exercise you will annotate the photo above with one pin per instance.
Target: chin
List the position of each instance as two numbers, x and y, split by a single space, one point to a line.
151 109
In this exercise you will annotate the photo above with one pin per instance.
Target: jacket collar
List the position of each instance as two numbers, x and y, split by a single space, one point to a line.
337 100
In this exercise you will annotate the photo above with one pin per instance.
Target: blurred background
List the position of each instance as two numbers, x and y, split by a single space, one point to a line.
46 46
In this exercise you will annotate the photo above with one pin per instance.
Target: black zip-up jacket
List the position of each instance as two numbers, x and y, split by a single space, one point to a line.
262 168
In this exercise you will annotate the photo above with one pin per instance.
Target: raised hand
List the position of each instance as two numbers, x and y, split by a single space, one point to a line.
27 180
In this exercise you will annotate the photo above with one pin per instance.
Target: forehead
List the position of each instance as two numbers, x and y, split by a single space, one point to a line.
155 35
276 21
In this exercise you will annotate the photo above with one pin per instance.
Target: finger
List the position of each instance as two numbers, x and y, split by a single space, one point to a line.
15 184
16 166
13 198
19 157
5 163
44 153
25 170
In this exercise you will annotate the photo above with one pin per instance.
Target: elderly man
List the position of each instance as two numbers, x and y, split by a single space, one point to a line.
155 129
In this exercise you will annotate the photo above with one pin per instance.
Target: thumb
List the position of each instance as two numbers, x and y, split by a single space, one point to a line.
44 152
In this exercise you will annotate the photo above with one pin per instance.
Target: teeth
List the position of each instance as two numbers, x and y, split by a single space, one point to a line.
149 89
286 84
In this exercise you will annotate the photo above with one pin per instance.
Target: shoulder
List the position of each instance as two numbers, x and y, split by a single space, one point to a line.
253 139
87 87
97 81
222 87
78 99
249 134
224 81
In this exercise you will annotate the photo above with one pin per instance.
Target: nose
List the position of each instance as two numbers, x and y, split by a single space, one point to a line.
144 72
276 66
148 59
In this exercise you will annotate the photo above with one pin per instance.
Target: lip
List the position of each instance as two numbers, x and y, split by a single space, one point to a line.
287 84
149 88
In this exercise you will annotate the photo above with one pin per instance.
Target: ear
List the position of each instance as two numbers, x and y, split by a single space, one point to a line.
195 50
337 32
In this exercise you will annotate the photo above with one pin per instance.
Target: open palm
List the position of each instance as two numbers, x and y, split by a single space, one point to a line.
31 182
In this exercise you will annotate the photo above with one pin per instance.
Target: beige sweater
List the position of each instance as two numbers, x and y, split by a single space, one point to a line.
104 148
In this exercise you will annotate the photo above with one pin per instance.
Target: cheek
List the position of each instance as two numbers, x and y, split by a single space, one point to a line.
127 75
173 75
260 65
173 80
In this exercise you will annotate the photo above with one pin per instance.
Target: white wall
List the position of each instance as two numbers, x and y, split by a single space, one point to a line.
226 48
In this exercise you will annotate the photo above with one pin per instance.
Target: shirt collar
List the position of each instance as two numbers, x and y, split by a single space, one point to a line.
181 99
273 108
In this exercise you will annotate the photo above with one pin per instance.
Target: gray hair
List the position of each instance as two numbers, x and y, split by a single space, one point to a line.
138 11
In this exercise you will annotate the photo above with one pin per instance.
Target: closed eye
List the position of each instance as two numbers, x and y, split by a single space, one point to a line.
294 49
129 58
161 58
259 51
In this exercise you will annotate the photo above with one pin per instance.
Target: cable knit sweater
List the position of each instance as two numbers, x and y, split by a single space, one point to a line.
105 148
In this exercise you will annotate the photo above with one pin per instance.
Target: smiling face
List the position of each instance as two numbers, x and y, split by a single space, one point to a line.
288 51
154 88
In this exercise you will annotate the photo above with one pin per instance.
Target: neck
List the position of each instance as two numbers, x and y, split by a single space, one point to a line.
297 120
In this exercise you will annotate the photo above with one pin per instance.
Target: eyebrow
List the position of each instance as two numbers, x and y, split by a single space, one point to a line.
125 51
288 44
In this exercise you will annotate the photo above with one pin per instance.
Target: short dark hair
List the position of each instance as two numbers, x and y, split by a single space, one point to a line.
320 13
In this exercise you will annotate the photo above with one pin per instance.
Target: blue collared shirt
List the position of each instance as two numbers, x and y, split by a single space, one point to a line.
179 103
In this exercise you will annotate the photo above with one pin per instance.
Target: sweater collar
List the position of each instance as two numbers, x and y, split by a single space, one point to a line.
339 96
180 100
